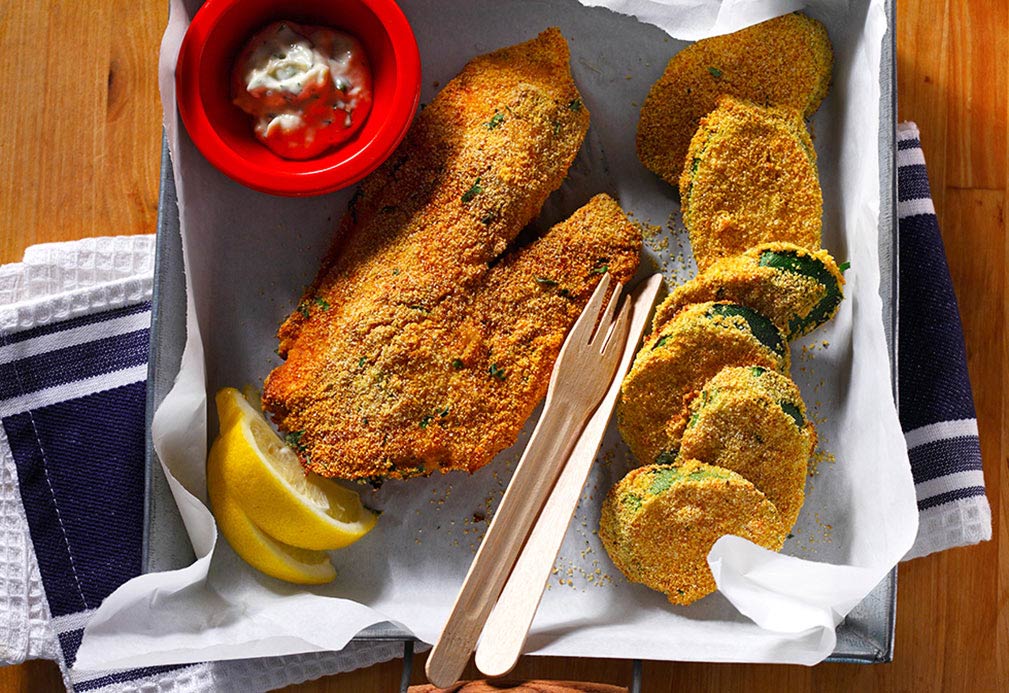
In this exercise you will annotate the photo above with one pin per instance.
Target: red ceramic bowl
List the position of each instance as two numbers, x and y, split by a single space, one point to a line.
223 133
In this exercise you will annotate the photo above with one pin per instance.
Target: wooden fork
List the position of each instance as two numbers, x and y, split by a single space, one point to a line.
581 376
508 624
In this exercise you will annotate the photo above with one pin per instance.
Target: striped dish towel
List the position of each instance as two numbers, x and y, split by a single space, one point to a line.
74 332
935 402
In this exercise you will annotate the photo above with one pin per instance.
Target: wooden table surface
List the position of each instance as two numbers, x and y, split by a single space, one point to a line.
80 157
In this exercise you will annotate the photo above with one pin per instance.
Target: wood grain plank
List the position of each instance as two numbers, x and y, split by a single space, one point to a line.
976 93
84 161
922 81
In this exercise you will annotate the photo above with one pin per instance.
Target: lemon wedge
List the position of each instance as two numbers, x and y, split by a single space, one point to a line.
265 479
255 547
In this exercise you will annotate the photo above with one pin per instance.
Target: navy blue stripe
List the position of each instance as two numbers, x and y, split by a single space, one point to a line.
62 325
62 591
932 368
945 456
912 184
73 363
913 143
70 642
950 496
129 675
81 473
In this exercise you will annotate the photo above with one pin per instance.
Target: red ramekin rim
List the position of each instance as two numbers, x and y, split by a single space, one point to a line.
364 156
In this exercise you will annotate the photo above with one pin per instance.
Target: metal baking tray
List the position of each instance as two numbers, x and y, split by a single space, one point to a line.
866 635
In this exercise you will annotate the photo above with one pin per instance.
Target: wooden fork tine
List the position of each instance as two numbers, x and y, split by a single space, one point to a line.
617 333
606 321
582 330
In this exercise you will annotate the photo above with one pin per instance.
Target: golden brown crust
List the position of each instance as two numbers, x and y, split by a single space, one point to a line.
513 119
750 178
659 523
452 388
787 298
416 242
753 421
676 362
783 61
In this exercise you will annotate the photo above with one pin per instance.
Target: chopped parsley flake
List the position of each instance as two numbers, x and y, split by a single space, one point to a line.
544 281
844 266
575 105
360 362
497 372
495 121
425 421
321 302
457 364
293 439
715 72
601 270
472 192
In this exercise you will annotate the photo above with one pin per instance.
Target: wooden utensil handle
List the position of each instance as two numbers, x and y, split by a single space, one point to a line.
551 442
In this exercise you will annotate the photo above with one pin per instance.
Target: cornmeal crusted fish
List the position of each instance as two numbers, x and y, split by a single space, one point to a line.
421 232
750 178
784 61
453 388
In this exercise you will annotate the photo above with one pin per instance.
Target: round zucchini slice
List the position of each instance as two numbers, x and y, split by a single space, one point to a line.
659 523
700 341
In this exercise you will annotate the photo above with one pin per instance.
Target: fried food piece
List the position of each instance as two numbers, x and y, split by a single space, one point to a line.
798 289
659 523
752 421
695 345
750 178
784 61
453 387
421 232
476 167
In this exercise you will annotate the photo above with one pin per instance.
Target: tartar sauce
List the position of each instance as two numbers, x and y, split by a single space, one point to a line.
308 87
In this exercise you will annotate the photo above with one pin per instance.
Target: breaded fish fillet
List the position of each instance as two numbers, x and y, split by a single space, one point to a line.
701 340
752 421
659 522
475 168
784 61
453 387
750 178
798 289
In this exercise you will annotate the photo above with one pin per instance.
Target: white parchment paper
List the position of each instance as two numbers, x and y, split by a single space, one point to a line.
247 256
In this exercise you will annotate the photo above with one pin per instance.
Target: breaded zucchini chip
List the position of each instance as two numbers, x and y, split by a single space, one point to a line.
750 177
784 61
752 420
659 523
798 289
699 342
